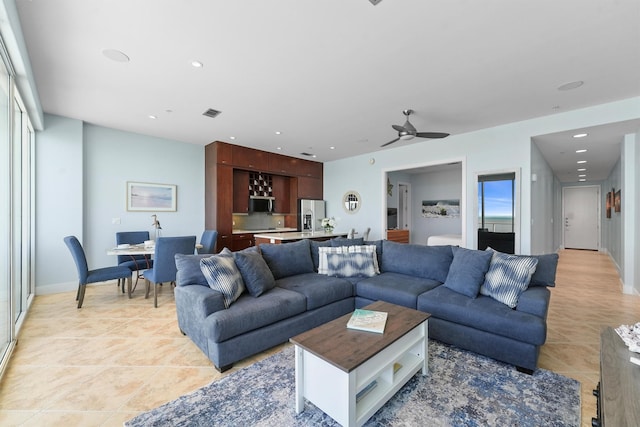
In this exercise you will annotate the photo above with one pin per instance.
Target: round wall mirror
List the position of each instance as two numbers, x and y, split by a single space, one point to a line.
351 201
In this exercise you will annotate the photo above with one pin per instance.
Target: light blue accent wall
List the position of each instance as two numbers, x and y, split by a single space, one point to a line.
498 148
59 198
82 170
112 158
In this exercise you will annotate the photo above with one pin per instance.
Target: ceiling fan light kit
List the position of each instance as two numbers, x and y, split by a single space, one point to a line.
408 131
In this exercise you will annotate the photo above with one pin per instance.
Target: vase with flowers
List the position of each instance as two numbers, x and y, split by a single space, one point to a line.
328 224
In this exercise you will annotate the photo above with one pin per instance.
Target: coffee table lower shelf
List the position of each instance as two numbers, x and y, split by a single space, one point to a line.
334 390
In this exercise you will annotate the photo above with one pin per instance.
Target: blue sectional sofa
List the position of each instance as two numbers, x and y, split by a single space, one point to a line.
290 288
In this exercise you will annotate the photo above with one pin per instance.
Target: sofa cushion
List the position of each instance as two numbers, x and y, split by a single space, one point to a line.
351 264
395 288
324 251
545 274
255 272
483 313
508 277
223 276
248 313
343 241
319 290
188 270
467 271
315 245
288 259
428 262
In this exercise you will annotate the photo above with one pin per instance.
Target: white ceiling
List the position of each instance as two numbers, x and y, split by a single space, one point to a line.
331 73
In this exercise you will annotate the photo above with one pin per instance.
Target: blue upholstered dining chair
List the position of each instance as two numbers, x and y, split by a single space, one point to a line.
164 263
133 262
208 242
86 276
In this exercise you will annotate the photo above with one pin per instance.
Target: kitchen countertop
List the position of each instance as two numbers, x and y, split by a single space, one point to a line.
264 230
297 235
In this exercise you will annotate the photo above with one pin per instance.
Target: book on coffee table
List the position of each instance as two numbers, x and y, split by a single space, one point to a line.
368 320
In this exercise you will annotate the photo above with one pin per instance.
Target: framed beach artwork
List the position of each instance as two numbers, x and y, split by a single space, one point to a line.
616 201
441 208
143 196
608 201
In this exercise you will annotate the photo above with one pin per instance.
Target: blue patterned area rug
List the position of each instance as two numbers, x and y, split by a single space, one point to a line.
462 389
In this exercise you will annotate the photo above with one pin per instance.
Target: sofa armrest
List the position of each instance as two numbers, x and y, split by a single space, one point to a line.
197 302
535 300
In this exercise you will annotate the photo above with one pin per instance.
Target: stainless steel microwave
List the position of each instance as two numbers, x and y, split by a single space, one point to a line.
261 203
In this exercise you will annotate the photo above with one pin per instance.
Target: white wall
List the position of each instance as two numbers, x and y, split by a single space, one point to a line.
542 204
497 148
81 172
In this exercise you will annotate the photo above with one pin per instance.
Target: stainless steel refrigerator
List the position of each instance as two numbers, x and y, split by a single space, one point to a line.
310 212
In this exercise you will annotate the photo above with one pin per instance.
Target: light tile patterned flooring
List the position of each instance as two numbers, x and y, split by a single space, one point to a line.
115 357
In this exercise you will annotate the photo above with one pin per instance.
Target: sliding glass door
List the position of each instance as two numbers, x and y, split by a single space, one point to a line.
5 213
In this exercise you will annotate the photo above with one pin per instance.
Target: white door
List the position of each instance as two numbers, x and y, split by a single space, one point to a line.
580 206
404 203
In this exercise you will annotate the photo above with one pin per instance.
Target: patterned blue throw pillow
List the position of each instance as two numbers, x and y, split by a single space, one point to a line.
223 276
508 277
350 264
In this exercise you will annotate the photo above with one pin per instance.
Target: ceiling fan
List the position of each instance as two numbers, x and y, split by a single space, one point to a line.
407 131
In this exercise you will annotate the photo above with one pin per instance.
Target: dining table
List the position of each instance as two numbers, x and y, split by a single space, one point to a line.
139 249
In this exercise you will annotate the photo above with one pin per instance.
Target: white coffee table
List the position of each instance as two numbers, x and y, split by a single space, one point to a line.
333 363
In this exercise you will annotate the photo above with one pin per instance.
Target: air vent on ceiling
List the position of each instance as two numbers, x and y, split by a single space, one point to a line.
375 2
212 113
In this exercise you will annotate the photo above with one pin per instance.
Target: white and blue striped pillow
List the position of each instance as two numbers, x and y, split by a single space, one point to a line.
508 277
353 264
223 276
323 251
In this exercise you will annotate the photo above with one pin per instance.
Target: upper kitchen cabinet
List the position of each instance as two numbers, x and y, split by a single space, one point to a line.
308 168
248 158
221 153
281 165
240 191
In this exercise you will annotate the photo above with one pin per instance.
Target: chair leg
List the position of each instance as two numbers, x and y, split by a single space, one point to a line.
147 284
155 295
78 292
81 290
128 286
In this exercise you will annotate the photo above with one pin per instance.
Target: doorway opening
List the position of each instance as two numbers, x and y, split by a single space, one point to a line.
497 211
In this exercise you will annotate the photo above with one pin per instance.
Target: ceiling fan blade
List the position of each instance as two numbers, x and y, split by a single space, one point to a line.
399 128
409 127
432 135
390 142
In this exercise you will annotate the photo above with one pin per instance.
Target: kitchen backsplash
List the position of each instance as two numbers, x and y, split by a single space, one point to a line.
257 221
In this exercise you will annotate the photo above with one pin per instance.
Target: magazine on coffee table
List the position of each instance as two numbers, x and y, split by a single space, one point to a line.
368 320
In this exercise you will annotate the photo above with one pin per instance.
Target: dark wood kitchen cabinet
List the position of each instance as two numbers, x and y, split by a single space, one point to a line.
240 191
227 170
248 158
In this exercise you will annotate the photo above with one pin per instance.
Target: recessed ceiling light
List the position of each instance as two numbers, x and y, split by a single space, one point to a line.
197 64
278 148
582 161
571 85
232 137
278 132
580 135
581 151
332 148
151 116
582 169
115 55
